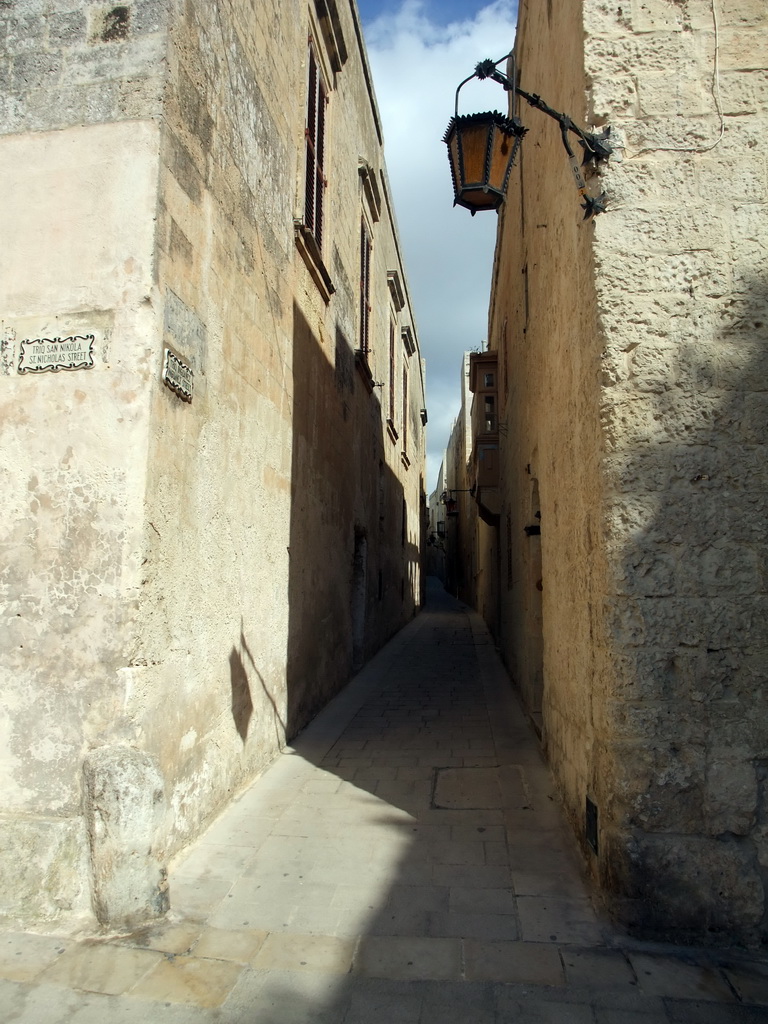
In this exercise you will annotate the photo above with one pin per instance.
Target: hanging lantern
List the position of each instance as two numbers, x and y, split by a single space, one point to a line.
482 149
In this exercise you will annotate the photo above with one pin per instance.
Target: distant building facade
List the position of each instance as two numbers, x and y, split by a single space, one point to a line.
213 417
435 553
631 537
458 507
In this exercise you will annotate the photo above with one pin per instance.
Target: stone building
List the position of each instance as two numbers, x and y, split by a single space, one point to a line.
458 508
471 487
632 518
434 552
213 418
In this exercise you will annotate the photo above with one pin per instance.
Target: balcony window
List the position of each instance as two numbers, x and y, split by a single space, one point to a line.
489 414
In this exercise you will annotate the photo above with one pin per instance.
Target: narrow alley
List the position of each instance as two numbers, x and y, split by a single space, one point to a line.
405 862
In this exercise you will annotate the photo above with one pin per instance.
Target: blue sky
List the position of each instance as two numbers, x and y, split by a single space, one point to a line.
419 51
439 12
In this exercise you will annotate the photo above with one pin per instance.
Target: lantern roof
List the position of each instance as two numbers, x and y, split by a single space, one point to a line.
481 155
508 125
481 152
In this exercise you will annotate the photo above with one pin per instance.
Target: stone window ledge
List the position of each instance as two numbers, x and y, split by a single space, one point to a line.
364 369
310 253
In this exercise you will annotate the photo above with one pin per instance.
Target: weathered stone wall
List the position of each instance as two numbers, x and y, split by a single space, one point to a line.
191 580
682 283
271 525
636 348
78 210
461 528
80 62
542 321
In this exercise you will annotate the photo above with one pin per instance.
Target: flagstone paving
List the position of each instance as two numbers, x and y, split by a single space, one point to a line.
406 861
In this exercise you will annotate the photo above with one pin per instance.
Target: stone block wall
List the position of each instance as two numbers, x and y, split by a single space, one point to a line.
277 487
78 210
80 96
461 529
80 62
682 284
637 343
542 322
185 582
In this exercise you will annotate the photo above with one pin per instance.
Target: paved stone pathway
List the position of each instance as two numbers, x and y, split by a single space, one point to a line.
405 862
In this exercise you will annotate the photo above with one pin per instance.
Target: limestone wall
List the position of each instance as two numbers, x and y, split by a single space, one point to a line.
542 322
80 62
635 349
277 484
189 579
77 262
461 528
683 390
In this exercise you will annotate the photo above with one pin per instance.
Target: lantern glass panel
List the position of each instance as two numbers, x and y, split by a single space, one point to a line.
474 142
481 150
501 152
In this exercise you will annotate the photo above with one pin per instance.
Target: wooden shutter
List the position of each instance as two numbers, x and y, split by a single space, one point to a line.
314 186
365 288
405 408
392 369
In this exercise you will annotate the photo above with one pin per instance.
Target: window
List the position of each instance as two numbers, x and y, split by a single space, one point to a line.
405 408
489 414
365 288
314 132
488 380
392 368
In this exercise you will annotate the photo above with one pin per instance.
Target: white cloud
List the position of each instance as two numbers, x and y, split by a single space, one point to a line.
417 66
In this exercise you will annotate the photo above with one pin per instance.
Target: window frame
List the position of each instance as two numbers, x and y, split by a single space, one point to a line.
366 252
405 408
392 365
310 218
315 129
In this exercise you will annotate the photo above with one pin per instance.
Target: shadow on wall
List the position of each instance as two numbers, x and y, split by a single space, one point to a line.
346 593
242 701
353 569
690 621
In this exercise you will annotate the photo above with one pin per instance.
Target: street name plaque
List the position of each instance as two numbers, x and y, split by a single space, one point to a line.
40 355
178 376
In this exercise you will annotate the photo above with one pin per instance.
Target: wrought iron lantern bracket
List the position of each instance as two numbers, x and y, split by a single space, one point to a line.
595 146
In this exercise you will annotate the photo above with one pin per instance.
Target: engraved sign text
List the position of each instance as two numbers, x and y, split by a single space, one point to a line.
54 354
